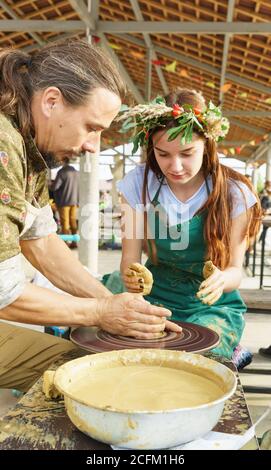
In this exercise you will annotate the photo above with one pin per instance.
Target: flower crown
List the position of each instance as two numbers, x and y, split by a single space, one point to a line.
145 117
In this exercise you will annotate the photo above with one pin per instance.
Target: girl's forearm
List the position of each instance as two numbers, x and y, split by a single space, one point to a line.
233 278
127 260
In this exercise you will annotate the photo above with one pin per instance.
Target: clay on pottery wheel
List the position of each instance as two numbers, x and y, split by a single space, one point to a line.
192 338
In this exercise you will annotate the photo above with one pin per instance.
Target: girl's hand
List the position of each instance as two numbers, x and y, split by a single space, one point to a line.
212 288
138 279
134 283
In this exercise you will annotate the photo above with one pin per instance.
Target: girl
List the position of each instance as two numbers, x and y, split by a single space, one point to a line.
192 209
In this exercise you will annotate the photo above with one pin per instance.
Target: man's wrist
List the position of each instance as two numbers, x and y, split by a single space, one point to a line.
85 311
100 308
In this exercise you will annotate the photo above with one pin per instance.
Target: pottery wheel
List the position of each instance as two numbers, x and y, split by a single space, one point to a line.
193 338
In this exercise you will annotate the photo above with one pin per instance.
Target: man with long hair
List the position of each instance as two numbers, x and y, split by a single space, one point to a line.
53 104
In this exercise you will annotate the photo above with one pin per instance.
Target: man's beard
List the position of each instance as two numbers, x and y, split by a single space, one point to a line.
51 160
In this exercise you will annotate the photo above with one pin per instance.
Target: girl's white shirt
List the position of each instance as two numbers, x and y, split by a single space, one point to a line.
179 212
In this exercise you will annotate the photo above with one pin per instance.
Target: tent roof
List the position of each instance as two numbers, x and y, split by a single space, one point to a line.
234 54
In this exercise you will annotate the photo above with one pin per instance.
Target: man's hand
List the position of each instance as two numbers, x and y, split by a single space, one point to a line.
171 326
130 315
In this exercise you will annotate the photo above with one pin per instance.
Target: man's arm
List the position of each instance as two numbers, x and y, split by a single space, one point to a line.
40 306
56 262
125 314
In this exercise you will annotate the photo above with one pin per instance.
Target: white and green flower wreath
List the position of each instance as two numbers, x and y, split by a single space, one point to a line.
145 117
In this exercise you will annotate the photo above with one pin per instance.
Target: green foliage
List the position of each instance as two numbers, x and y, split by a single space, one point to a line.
156 114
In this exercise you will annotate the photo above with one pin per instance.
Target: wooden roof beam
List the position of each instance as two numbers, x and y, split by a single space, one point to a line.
225 50
235 143
247 113
148 74
147 39
126 77
198 65
151 27
86 17
81 9
41 25
14 15
62 37
249 127
261 150
183 27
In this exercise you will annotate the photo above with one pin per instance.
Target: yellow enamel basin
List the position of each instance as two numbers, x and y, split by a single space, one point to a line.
144 429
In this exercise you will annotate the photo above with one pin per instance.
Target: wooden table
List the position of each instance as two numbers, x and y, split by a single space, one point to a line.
257 300
40 423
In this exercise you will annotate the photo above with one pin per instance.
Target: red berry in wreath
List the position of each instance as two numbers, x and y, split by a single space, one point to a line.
197 111
177 110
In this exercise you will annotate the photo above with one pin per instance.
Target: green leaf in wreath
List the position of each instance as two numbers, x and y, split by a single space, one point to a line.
138 140
129 119
187 107
187 134
129 125
173 133
158 100
211 106
124 107
196 121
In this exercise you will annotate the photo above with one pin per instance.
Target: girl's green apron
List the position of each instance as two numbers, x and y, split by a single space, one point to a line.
178 275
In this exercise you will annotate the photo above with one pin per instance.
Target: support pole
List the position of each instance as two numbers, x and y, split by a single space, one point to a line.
89 211
148 74
124 158
255 178
268 166
89 199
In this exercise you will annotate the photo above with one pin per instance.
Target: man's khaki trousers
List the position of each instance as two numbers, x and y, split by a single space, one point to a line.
25 354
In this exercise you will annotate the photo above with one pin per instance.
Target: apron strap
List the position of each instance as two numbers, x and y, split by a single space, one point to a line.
207 187
155 199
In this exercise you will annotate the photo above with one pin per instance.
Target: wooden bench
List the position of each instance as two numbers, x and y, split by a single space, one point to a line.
257 299
256 376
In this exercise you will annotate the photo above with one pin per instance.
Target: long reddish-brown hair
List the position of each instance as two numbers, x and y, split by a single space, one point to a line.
218 222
